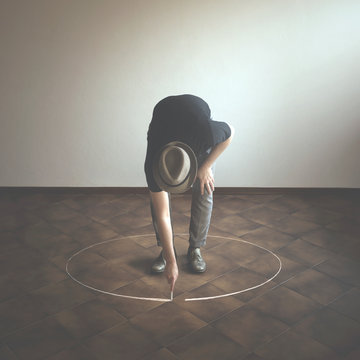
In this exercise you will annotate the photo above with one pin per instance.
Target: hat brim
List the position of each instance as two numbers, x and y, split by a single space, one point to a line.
190 179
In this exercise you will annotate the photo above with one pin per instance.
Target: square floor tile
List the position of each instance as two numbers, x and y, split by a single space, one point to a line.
351 250
317 286
348 304
239 252
103 212
120 248
63 295
181 203
207 343
132 307
40 340
167 323
252 356
18 263
318 215
10 242
139 264
107 276
147 241
69 226
288 203
152 286
128 221
162 354
289 269
334 202
58 211
55 245
38 232
331 329
268 238
342 269
8 204
327 239
122 341
93 233
6 353
249 327
259 198
234 224
89 319
294 226
79 262
305 253
131 202
32 276
19 312
284 304
77 352
13 220
41 275
242 281
353 355
266 265
224 258
348 226
83 201
11 286
291 345
262 214
32 201
230 204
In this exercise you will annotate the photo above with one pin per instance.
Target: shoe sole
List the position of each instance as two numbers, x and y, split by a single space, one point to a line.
157 271
196 271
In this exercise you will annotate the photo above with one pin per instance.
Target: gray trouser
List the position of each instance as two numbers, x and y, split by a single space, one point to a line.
201 209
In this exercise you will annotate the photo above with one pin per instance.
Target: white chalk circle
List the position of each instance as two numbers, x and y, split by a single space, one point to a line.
171 295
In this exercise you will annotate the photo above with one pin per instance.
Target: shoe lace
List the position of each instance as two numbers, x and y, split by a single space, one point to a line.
195 255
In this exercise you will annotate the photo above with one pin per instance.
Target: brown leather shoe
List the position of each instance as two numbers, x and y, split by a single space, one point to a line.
159 264
196 261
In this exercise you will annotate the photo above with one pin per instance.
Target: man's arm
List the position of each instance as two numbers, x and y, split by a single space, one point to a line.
161 206
205 174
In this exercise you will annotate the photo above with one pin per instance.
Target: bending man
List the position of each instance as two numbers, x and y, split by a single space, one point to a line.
183 144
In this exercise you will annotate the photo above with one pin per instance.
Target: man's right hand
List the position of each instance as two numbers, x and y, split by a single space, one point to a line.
171 273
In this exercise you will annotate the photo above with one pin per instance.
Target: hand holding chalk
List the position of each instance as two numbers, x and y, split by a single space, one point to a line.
171 273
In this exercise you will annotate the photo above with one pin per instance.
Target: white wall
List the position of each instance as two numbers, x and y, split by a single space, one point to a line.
79 79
